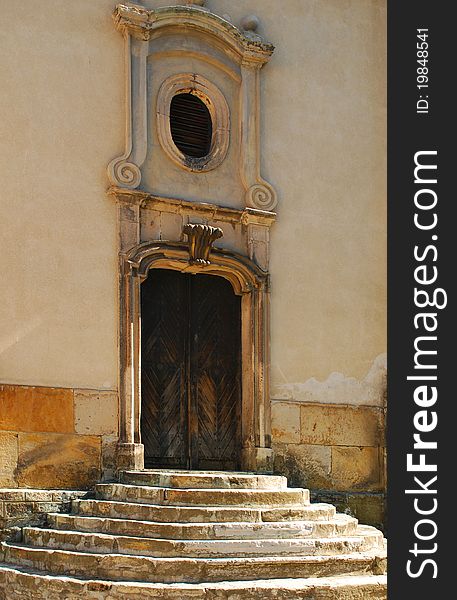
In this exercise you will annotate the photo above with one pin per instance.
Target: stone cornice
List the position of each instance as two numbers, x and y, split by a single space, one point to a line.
144 24
205 210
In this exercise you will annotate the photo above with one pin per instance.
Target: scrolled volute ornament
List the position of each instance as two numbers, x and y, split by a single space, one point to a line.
261 196
124 174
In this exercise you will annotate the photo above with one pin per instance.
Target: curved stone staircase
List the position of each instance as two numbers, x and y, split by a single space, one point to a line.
196 535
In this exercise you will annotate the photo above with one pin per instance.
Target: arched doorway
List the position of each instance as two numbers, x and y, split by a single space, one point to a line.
248 283
190 371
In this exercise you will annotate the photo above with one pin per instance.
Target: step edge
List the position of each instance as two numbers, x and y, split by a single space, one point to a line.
331 521
289 583
295 541
359 556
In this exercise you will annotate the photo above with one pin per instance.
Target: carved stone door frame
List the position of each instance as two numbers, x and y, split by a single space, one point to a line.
249 282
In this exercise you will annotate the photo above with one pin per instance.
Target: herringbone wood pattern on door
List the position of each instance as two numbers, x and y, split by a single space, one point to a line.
191 371
163 369
216 359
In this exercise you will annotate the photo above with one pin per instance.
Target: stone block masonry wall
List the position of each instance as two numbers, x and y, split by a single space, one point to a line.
56 438
329 436
29 507
338 451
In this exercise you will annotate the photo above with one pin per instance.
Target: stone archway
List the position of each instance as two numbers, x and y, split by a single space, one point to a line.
249 282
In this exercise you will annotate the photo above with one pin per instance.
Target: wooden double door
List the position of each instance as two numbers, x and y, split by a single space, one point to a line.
190 371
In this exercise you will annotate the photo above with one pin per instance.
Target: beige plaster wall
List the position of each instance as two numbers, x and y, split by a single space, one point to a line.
323 149
324 145
60 122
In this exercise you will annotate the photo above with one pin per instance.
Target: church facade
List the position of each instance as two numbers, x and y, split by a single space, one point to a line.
194 237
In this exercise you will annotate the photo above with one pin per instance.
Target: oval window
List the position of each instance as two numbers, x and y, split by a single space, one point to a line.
191 125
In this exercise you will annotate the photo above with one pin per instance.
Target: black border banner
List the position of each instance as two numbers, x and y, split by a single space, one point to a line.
422 328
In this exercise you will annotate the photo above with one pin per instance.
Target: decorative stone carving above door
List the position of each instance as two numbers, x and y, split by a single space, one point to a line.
201 238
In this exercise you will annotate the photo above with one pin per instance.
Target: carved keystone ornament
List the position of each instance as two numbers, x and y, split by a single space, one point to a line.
201 238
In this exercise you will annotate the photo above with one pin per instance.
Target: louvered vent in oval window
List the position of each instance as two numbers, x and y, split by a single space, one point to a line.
191 125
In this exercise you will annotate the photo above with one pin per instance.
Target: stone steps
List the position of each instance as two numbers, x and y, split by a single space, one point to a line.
365 539
203 479
24 585
338 525
199 514
124 567
166 534
146 494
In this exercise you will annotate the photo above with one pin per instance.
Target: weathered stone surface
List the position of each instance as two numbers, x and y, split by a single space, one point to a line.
204 479
304 464
202 497
24 408
141 568
150 225
199 514
356 469
19 507
366 507
362 540
160 547
8 458
338 388
167 514
68 495
53 460
285 422
96 412
370 508
26 586
12 495
170 226
338 525
39 495
341 425
109 455
233 235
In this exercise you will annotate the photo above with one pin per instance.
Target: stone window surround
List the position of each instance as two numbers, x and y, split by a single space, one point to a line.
218 108
248 53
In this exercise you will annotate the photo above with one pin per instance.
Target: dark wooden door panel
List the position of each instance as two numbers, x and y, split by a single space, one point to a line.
215 318
191 371
163 374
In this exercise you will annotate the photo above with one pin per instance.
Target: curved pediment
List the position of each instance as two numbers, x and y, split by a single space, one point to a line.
147 24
